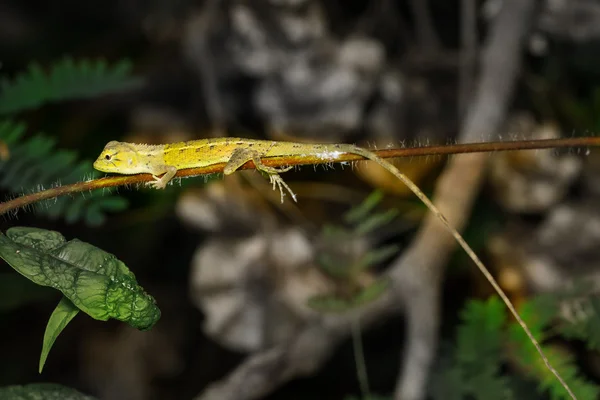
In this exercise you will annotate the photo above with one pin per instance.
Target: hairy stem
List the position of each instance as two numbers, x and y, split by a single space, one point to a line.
114 181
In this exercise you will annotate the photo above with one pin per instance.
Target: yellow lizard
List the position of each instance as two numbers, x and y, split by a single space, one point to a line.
166 159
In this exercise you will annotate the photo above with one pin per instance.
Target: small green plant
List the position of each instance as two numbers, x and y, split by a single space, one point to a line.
344 267
485 341
348 270
90 279
65 79
30 164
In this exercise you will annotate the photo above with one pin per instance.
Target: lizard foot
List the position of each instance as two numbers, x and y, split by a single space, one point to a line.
157 183
277 180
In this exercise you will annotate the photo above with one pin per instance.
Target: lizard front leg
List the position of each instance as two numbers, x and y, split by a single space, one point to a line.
241 156
161 182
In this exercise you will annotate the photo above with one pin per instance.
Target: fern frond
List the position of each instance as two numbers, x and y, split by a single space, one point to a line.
472 370
362 211
65 79
345 267
478 351
537 319
35 163
447 381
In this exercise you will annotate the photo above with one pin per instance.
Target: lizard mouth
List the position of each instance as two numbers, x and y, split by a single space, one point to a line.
103 166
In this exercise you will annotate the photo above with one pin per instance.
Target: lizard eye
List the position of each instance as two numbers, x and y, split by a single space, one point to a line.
107 157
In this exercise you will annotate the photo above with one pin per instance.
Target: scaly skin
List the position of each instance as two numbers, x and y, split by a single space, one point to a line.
166 159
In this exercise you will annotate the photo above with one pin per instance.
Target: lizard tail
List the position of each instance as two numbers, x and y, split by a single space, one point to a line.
419 193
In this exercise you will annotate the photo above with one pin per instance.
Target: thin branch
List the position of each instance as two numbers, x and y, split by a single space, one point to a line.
122 180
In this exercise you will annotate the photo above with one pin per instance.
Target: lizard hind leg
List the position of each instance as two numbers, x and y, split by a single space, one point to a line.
241 156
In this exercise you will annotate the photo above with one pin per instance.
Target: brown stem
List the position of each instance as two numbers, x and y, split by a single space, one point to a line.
121 180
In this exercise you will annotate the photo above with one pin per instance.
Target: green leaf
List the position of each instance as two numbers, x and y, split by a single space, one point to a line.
371 292
375 222
473 370
64 312
35 163
95 281
374 256
360 212
335 304
448 383
66 79
41 391
529 358
333 265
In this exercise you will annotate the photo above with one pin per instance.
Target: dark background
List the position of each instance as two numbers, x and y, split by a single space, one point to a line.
207 68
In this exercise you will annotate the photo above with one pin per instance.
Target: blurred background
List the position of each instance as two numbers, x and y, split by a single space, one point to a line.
262 300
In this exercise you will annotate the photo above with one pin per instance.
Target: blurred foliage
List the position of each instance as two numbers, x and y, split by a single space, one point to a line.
66 79
35 164
32 164
103 28
344 267
41 391
485 342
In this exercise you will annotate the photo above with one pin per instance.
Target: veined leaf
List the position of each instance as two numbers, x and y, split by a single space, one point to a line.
95 281
64 312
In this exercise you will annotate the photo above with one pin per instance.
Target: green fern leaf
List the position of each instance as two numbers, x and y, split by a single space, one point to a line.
474 370
35 163
479 349
334 304
65 79
447 381
536 318
374 257
362 211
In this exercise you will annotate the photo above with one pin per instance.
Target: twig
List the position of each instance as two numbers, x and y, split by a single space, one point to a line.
121 180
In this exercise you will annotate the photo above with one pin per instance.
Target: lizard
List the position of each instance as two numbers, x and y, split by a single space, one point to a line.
167 159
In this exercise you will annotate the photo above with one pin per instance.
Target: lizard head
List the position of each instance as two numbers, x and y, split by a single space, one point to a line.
119 157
